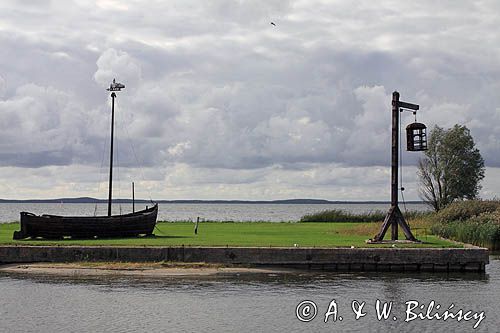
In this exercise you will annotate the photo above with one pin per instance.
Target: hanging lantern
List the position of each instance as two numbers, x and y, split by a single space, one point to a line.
416 137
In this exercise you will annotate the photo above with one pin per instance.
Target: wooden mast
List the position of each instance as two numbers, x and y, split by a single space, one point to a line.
115 86
113 96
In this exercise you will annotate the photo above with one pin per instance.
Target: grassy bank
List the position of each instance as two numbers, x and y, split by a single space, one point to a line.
474 222
242 234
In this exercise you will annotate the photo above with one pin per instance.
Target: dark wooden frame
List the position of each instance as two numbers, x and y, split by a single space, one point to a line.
394 217
57 227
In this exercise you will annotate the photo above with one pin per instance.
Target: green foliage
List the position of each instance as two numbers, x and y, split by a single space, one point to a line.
475 222
480 234
339 215
466 209
452 168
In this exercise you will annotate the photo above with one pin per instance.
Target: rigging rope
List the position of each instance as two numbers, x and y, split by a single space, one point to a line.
122 125
104 150
402 189
125 127
117 121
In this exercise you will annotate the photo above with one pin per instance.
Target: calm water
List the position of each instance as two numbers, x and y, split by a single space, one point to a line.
172 212
244 303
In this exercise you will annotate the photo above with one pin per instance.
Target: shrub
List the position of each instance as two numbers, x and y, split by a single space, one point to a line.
480 234
465 210
475 222
339 215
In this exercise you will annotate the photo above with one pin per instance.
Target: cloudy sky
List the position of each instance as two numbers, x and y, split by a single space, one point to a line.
220 104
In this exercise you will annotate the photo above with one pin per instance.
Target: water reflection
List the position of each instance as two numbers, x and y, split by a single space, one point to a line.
305 280
239 303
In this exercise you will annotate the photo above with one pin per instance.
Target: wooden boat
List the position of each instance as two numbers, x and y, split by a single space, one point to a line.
57 227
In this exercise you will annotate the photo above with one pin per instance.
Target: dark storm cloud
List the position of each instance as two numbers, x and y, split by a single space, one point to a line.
212 86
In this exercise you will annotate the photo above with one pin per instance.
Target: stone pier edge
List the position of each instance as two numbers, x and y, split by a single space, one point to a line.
471 259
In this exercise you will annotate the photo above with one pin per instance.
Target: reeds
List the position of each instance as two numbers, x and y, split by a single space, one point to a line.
339 215
474 221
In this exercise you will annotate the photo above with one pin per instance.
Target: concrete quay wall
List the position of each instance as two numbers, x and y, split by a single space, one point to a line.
472 259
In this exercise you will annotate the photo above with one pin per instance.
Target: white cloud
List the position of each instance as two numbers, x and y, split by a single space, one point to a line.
179 148
215 92
2 87
117 64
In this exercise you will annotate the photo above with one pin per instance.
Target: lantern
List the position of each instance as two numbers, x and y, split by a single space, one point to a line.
416 137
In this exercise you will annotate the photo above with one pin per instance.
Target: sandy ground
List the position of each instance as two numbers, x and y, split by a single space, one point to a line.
131 269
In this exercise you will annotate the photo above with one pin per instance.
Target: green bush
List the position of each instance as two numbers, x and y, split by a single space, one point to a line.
339 215
474 222
480 234
465 210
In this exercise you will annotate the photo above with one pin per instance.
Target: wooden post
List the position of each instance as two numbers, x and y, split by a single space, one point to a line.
133 198
395 160
394 216
196 226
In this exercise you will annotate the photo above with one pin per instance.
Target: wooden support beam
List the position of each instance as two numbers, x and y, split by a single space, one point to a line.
394 217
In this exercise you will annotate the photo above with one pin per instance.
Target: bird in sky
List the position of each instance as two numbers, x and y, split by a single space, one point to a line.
272 23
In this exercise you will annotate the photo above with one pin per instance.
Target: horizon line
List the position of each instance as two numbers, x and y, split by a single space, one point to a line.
128 200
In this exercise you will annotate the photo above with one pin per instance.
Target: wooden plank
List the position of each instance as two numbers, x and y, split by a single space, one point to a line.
406 105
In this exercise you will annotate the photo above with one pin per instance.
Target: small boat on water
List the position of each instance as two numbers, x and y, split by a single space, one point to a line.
123 225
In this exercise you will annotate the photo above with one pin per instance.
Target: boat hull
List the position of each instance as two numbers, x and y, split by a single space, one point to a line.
57 227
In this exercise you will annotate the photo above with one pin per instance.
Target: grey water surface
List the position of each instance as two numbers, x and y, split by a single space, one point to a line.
175 211
245 302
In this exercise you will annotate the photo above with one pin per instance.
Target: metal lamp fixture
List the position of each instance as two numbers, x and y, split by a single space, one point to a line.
416 137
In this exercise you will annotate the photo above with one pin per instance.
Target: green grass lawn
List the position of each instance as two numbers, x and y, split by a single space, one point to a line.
240 234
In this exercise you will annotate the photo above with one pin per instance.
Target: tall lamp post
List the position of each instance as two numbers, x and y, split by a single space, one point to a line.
114 86
416 141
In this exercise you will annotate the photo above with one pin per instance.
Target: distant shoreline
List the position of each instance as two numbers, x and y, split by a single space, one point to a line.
140 201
